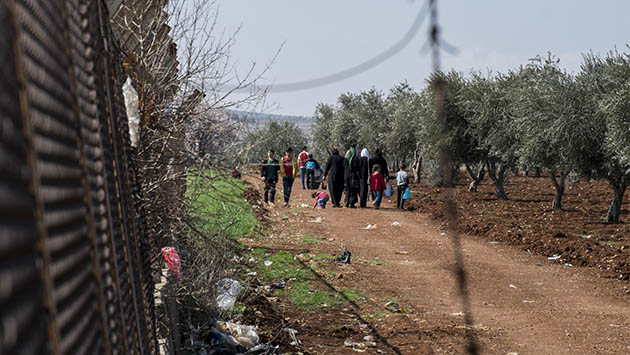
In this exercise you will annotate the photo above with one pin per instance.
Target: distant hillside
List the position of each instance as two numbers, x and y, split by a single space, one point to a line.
260 119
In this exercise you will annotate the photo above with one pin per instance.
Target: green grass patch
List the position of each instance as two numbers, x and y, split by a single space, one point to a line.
239 308
305 297
283 267
216 207
311 239
353 295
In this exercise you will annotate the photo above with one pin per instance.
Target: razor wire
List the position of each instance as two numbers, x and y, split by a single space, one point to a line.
448 193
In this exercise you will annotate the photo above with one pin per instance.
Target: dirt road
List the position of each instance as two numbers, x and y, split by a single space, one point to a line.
521 303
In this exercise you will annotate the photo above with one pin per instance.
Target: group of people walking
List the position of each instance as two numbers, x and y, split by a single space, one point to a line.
358 176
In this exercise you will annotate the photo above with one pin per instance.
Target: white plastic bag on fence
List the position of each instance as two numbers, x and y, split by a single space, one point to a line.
131 105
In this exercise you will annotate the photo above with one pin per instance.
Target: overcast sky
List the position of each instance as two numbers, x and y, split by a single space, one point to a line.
326 36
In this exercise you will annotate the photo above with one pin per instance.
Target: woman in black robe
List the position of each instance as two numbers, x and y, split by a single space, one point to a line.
334 172
352 176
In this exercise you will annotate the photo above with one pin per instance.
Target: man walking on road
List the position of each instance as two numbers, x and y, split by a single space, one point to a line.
302 158
288 170
269 174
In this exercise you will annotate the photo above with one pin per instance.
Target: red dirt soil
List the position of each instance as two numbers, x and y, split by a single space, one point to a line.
577 233
520 302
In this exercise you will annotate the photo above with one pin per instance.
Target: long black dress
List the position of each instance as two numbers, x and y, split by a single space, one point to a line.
334 172
378 159
352 179
364 167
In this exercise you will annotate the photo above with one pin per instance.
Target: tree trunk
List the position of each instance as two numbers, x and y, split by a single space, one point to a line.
537 173
498 178
417 169
559 186
476 176
619 188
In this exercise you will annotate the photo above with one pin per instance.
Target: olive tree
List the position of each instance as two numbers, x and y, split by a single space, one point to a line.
275 135
554 132
402 109
489 107
606 80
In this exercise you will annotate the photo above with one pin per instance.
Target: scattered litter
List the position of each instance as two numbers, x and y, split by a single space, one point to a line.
568 264
279 284
357 346
393 307
253 273
345 257
396 224
268 262
304 205
512 353
401 252
316 220
370 226
512 286
368 338
252 259
443 234
554 257
458 314
243 335
588 236
528 301
172 261
494 242
293 334
228 290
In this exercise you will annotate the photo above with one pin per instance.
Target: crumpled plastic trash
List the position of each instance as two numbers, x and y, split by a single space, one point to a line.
554 257
172 260
268 262
359 346
304 205
345 256
316 220
279 284
393 307
130 95
228 290
396 224
244 335
370 226
293 334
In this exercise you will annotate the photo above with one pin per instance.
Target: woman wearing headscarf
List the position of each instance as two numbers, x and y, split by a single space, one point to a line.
352 177
364 185
378 159
335 173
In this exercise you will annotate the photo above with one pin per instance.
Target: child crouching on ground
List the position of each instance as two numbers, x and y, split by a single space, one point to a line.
321 197
377 185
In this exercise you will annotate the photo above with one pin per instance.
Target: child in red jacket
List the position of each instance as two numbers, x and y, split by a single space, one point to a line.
377 185
321 197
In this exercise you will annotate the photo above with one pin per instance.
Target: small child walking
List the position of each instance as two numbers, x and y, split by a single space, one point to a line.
321 197
402 182
377 185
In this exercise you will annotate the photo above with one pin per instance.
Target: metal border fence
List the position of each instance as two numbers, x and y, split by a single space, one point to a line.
75 273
